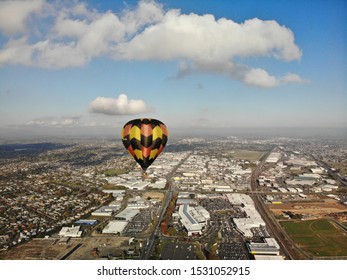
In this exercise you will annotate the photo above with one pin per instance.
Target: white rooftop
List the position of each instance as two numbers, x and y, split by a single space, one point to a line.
115 227
73 231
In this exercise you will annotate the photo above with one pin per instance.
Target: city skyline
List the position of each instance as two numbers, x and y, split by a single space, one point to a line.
88 67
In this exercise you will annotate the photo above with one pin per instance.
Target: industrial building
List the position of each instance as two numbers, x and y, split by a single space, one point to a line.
273 157
115 192
115 227
137 185
137 203
268 258
269 247
86 222
73 231
186 201
240 199
194 219
253 219
106 211
127 214
159 184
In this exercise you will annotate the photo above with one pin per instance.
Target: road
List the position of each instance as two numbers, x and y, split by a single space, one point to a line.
68 254
331 173
289 248
150 244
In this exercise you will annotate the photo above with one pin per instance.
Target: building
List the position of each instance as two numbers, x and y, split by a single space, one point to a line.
253 219
115 192
86 222
189 222
240 199
296 182
186 201
106 211
127 214
158 185
115 227
269 247
73 231
268 257
137 203
137 185
194 219
223 189
273 157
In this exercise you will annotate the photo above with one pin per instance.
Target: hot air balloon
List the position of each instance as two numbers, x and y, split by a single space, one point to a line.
144 139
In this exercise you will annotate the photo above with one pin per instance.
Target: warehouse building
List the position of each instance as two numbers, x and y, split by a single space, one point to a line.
106 211
269 247
253 219
194 219
127 214
115 227
73 231
273 157
189 222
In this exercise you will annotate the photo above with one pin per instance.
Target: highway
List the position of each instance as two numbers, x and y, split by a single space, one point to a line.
331 173
289 248
150 244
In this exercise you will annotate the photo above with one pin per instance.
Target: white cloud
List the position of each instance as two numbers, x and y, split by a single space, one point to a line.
259 77
65 121
293 78
13 14
205 39
118 106
201 43
43 54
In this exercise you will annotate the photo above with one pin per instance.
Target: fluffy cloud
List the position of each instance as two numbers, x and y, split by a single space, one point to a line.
13 14
205 39
259 77
118 106
201 43
293 78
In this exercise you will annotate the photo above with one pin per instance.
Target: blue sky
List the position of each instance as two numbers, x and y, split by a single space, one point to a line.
90 66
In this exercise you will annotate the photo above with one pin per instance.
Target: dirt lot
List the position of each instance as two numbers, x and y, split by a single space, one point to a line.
47 249
105 245
38 249
153 194
326 208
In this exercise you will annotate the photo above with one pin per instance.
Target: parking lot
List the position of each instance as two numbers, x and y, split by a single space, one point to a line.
178 251
232 246
232 251
141 221
216 204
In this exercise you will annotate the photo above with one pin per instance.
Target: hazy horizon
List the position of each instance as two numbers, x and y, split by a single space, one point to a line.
42 135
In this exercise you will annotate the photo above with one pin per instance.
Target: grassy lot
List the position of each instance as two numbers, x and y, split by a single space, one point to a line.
114 172
248 155
342 166
318 237
113 187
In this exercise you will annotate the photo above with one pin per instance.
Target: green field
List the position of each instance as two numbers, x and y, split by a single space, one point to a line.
248 155
114 172
319 237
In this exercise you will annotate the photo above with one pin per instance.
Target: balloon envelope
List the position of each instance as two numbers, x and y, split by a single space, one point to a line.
144 139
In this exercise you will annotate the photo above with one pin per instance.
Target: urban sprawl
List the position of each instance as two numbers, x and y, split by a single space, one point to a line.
231 198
